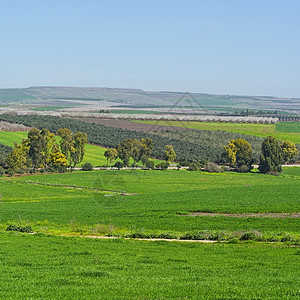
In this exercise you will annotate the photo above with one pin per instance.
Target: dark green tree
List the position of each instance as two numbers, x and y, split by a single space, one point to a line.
271 156
78 148
35 143
111 154
125 151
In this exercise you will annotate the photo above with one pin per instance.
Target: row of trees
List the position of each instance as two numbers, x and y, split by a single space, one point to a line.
41 150
190 145
273 154
139 151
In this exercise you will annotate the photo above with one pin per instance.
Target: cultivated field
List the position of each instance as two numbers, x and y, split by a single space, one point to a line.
281 131
150 203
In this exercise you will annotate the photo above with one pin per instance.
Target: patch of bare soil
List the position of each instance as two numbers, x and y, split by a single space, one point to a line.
6 126
124 124
251 215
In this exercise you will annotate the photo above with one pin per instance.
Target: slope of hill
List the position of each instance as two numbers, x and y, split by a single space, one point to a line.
142 99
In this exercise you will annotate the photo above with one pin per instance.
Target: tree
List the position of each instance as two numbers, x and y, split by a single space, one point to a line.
289 150
230 152
66 142
147 147
111 154
35 143
57 159
169 154
48 141
271 157
78 148
137 150
125 150
16 159
239 153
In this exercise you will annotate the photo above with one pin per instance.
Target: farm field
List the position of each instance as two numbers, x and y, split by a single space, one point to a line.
49 267
154 202
281 131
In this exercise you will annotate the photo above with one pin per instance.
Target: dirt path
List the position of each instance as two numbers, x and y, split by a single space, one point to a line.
136 239
250 215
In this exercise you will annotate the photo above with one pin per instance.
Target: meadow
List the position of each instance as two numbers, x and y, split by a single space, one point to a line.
153 203
282 130
49 267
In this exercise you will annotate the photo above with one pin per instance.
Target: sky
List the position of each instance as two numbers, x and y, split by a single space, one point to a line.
208 46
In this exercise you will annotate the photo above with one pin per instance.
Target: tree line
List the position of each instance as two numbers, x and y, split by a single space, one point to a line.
190 145
139 151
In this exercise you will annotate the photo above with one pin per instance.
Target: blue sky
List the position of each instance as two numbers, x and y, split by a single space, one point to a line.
225 47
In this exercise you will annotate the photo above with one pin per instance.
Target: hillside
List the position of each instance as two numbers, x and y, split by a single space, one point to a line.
138 98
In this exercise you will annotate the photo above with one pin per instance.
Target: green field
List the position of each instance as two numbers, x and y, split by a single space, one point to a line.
147 204
44 267
8 138
282 131
158 202
295 171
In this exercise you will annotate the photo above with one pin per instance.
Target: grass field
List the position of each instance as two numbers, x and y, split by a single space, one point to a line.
9 138
44 267
157 202
144 204
282 130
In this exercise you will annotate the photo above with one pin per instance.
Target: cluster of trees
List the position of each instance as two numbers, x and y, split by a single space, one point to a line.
190 145
41 150
139 151
273 154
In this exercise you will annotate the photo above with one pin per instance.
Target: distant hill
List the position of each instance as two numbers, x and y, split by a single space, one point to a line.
142 99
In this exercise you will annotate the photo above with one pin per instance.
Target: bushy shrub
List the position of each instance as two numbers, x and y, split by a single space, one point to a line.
162 166
213 168
243 169
233 241
119 165
26 229
1 171
149 164
10 172
61 169
248 236
193 167
87 167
